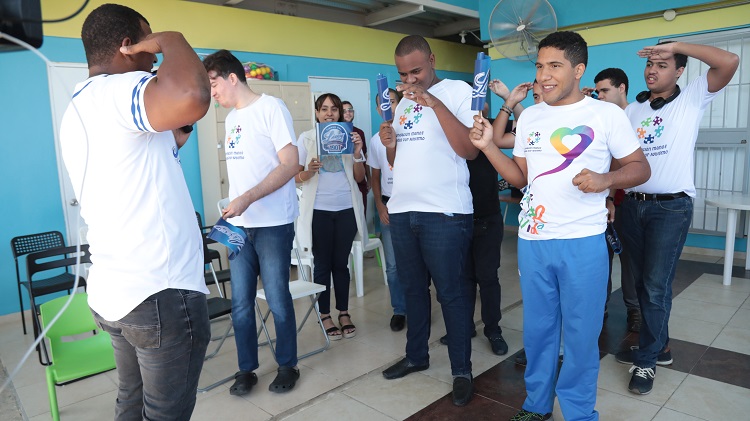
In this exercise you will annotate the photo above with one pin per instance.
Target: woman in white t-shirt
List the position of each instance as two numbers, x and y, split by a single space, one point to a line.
330 214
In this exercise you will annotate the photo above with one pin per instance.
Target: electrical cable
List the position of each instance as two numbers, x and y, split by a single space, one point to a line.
77 270
76 13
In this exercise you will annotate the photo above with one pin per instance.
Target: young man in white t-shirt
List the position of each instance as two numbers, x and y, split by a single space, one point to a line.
430 210
261 152
120 141
657 214
564 147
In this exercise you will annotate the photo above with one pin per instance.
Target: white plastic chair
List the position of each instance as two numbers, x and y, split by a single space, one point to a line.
358 250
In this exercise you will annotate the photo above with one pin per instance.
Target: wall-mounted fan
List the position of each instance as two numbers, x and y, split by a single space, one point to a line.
517 26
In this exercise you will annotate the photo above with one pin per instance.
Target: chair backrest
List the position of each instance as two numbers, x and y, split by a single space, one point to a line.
76 319
26 244
222 204
62 257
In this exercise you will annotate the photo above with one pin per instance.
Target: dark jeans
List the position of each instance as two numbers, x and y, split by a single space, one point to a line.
655 234
267 252
333 234
159 350
482 267
437 245
627 282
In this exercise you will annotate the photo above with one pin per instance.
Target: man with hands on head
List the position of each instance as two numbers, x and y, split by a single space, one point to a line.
430 209
562 153
657 214
120 143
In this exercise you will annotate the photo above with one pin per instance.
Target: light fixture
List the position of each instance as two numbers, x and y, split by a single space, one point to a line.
669 15
462 34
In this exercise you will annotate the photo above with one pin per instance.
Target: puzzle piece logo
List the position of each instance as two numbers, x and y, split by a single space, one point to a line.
234 137
533 138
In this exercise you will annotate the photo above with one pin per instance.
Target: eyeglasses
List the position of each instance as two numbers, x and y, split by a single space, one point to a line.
348 110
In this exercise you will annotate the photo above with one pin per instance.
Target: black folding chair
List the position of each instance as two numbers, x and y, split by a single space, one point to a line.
31 243
53 259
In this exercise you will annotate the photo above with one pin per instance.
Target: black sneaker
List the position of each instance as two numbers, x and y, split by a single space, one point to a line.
524 415
444 339
398 321
634 320
626 357
498 344
642 381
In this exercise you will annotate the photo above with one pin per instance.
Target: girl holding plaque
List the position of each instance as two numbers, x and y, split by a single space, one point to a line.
330 213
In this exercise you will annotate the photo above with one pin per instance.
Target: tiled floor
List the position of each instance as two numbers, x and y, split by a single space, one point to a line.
709 380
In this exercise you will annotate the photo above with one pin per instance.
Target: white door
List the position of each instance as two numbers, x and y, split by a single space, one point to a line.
356 91
63 78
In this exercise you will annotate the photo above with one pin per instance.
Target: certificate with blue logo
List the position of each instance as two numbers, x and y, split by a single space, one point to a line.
335 139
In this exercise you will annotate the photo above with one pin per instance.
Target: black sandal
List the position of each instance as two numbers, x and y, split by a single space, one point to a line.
285 380
243 383
331 331
350 327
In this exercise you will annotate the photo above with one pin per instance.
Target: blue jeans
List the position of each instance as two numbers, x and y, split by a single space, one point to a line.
482 267
435 245
564 285
159 349
655 232
398 301
267 252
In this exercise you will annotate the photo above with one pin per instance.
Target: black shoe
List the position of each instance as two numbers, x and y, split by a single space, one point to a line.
642 381
524 415
243 383
498 344
285 380
398 321
626 357
463 390
402 368
634 320
444 339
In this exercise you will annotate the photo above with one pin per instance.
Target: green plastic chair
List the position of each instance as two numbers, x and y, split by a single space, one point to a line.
73 358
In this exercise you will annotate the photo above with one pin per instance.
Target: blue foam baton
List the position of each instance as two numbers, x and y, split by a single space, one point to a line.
481 79
385 98
229 235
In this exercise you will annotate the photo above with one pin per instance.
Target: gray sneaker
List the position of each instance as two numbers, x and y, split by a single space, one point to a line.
642 381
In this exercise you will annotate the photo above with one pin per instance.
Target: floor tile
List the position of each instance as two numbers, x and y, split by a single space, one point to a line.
344 408
615 407
480 408
672 415
710 400
310 385
223 406
723 296
683 308
724 366
716 281
398 398
614 377
695 331
741 319
733 339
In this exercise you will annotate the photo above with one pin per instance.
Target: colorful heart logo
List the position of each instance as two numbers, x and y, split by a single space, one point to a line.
579 138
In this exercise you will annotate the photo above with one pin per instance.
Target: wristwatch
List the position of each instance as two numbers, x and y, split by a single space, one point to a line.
361 159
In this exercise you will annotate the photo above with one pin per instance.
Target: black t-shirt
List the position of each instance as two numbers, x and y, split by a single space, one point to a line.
483 183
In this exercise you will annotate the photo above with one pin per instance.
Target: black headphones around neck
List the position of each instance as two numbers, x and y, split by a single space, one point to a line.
659 102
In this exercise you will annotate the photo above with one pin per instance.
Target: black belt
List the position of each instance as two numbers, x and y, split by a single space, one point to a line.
652 196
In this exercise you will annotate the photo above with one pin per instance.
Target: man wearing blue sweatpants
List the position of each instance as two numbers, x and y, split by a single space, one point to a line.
563 151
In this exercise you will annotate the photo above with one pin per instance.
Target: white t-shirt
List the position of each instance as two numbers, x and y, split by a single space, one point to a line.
143 234
254 136
558 142
379 160
428 175
667 137
334 193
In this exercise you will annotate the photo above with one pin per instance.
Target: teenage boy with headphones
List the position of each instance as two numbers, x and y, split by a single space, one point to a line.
657 214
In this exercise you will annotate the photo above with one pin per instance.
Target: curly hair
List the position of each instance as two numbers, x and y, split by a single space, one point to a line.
105 28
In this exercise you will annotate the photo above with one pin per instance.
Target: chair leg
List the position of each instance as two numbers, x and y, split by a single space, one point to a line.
20 305
263 320
358 273
53 409
380 250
